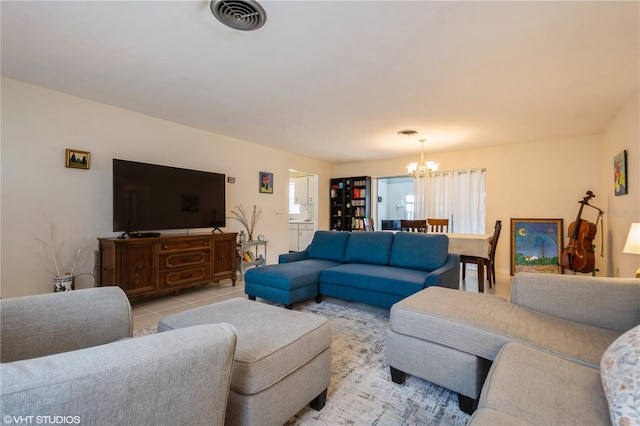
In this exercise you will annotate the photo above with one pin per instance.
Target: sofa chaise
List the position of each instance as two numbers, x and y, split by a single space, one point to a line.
376 268
70 356
553 323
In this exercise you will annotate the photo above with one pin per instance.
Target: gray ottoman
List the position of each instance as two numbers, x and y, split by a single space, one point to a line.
416 337
282 360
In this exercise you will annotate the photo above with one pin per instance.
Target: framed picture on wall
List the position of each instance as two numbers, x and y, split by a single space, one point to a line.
77 159
536 245
266 183
620 173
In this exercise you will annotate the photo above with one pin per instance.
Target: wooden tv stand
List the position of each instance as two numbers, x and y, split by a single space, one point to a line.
151 266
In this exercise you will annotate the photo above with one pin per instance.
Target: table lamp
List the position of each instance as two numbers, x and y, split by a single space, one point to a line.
632 246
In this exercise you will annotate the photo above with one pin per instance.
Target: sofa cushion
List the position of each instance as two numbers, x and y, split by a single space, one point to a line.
543 389
491 417
288 276
620 371
329 245
413 250
369 247
377 278
585 299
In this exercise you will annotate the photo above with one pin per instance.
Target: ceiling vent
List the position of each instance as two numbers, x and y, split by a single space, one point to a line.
244 15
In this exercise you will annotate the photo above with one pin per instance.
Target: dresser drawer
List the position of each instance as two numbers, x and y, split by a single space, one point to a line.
184 245
183 276
184 259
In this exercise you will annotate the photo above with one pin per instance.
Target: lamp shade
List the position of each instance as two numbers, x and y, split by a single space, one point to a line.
632 246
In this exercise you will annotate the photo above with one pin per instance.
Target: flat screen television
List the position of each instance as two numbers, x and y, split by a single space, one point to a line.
150 197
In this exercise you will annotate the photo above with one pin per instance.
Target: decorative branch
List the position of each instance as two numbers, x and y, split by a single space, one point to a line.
240 214
53 251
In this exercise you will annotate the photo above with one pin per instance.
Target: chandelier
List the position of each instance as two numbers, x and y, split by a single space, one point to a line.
422 169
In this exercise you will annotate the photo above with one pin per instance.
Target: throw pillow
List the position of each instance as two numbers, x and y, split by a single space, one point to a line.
620 372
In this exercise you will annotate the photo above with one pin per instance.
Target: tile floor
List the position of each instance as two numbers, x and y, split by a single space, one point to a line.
147 312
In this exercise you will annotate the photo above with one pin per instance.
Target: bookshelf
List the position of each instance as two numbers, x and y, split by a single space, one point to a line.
337 202
350 203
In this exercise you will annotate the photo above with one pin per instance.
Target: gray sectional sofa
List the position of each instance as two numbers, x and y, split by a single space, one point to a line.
376 268
542 351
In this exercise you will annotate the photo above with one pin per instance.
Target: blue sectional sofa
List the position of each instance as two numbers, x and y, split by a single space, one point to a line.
376 268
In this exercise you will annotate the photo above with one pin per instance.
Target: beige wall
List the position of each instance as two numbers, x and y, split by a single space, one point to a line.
531 180
546 179
623 133
37 190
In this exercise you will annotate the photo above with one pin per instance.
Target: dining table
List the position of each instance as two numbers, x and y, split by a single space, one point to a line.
474 246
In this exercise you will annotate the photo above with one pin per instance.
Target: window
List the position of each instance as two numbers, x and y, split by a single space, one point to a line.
409 205
396 201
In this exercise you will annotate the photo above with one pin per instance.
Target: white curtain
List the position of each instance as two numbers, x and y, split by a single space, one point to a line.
456 195
420 202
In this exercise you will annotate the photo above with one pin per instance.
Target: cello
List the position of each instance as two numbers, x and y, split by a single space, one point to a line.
578 255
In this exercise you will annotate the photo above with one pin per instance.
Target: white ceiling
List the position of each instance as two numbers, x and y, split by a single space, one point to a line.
335 80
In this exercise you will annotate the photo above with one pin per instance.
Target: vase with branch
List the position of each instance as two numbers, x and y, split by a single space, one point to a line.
249 222
64 271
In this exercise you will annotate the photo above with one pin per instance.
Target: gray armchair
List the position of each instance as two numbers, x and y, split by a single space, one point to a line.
70 354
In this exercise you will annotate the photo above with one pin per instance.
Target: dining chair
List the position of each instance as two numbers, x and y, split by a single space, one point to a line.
419 225
438 225
490 261
368 224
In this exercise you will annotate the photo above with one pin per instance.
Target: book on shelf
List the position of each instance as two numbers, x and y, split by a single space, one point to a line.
359 193
357 224
248 256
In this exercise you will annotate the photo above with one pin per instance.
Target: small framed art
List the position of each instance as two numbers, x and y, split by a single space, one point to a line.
77 159
620 173
266 183
536 245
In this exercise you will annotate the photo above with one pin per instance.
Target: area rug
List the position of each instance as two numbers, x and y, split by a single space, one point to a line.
361 390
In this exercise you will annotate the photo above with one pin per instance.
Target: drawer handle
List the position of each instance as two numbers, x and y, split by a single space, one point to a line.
186 259
139 269
183 276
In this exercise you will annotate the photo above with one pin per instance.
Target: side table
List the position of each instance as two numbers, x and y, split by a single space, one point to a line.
251 253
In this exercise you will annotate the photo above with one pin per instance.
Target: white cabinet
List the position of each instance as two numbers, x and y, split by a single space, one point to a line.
305 235
312 188
293 237
303 190
300 235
